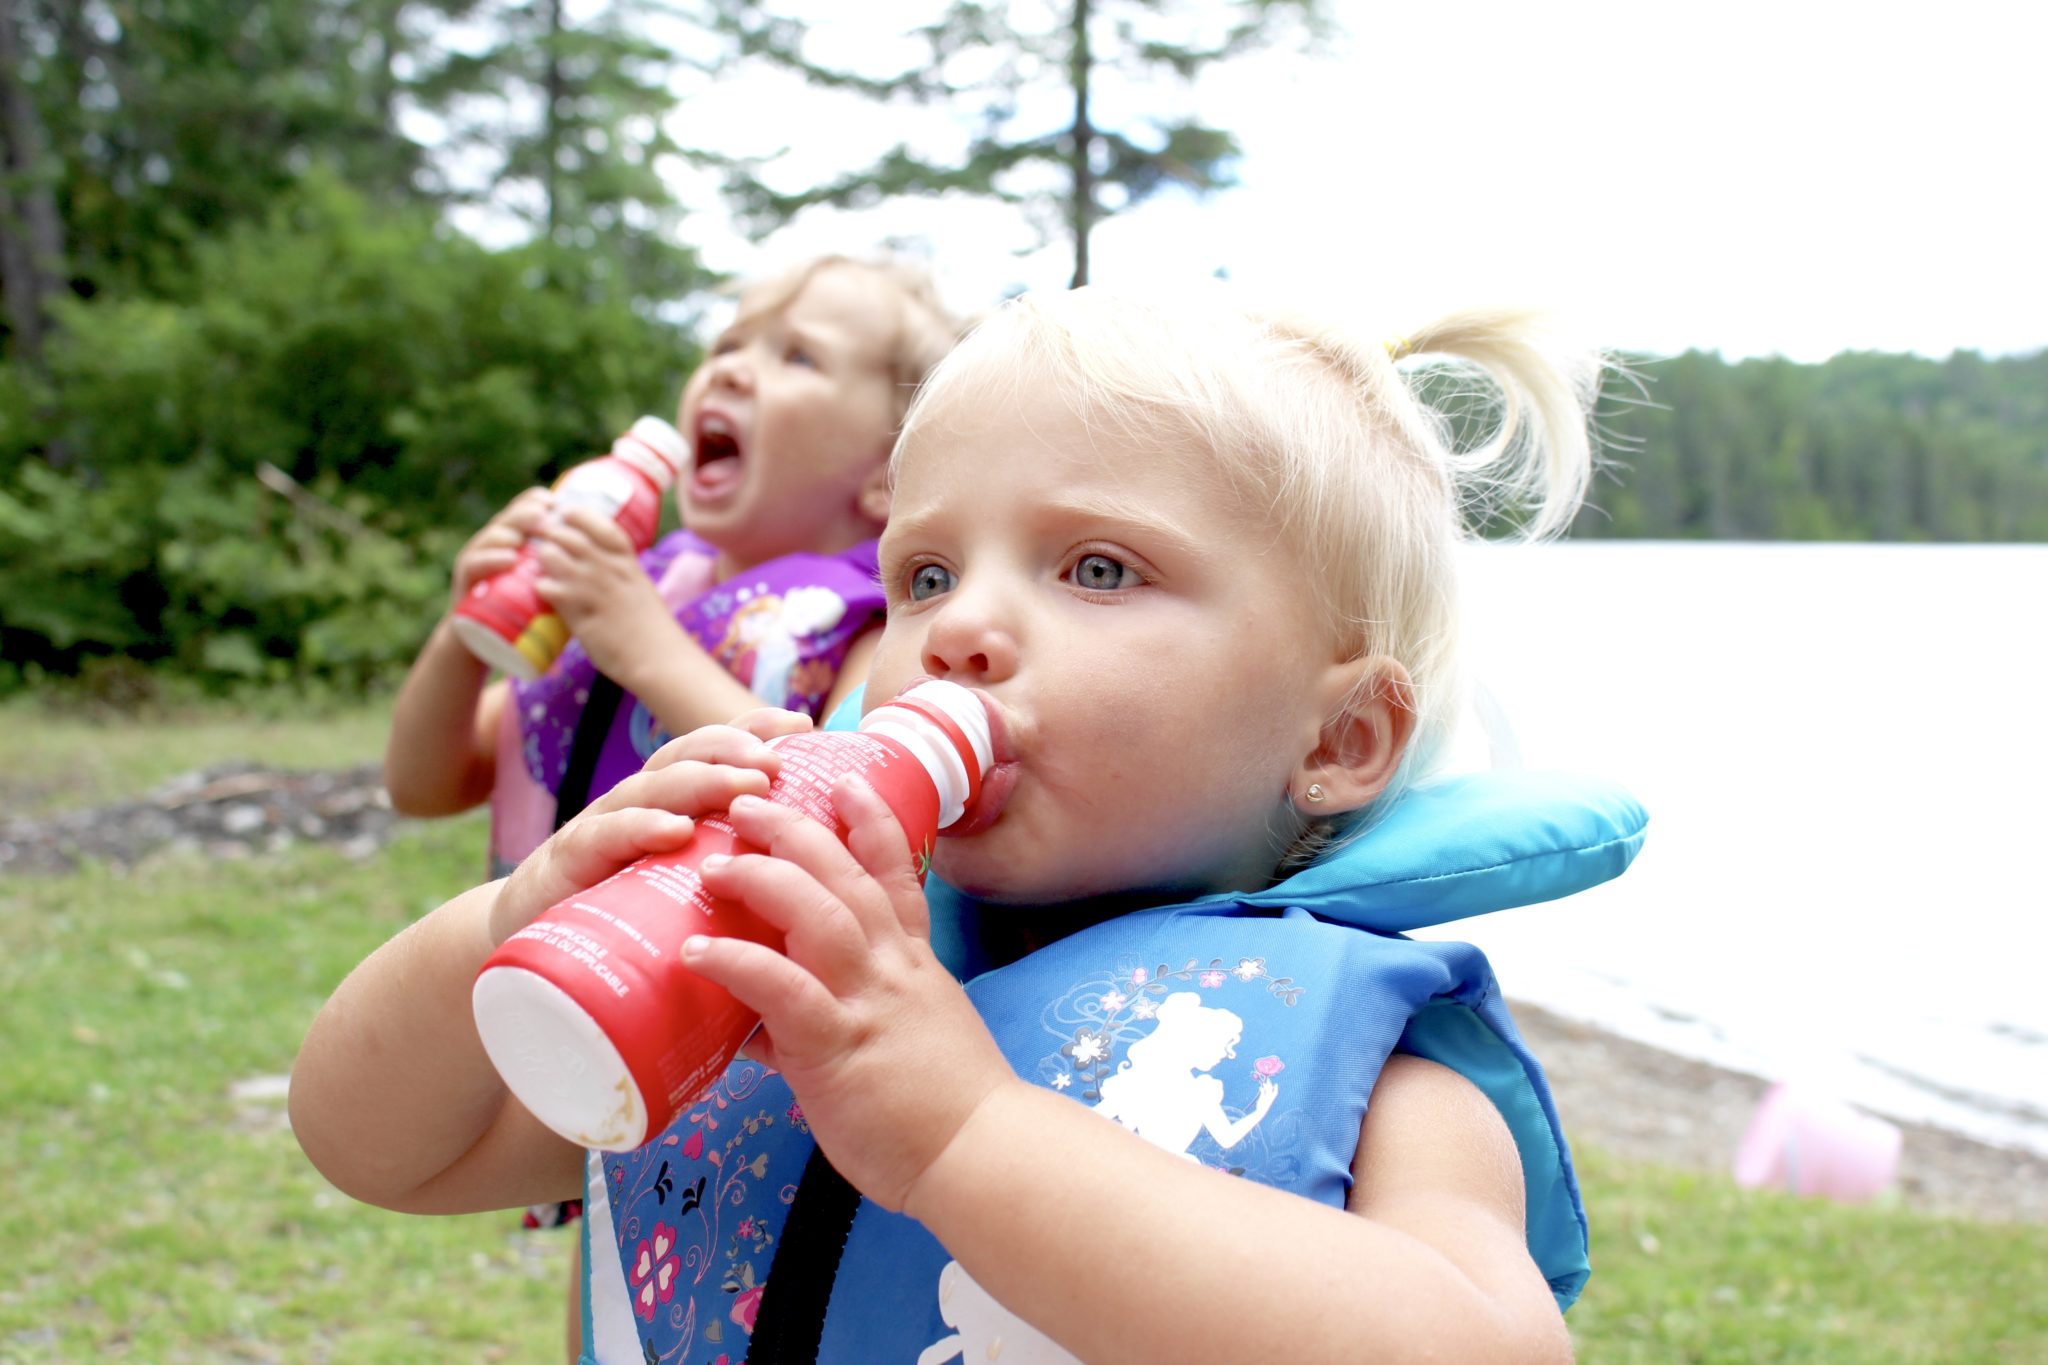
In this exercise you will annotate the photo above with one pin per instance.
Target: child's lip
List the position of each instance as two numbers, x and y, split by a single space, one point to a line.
988 803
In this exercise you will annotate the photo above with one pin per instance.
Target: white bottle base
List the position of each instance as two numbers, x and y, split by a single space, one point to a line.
556 1060
494 649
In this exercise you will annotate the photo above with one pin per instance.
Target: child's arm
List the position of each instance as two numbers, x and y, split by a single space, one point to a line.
594 580
441 756
1113 1247
392 1095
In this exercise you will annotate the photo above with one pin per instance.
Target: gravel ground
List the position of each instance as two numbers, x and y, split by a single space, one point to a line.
1632 1100
234 810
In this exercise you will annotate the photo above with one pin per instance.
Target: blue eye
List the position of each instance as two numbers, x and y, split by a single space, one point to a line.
929 580
797 355
1100 573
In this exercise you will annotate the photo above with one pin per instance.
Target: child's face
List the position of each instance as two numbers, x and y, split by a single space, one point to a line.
1153 657
790 418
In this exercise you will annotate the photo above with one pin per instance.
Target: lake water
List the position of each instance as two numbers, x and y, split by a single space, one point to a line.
1844 752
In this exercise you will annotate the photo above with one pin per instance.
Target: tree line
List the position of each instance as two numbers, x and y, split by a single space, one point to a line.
1866 446
257 381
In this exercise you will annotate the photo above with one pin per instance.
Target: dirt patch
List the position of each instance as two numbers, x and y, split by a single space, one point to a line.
232 810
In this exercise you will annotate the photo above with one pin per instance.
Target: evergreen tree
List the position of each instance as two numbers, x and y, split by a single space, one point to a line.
566 118
1004 64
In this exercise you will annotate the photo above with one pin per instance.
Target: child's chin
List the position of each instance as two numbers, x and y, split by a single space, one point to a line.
979 872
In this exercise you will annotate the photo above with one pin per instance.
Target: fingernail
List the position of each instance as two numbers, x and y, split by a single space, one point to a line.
744 803
696 945
714 862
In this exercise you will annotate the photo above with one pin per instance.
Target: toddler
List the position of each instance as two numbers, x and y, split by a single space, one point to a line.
1198 1100
767 596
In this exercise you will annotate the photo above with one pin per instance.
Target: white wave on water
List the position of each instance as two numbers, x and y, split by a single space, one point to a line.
1844 752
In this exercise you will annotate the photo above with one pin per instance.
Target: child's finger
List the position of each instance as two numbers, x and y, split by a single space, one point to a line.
583 853
525 511
487 562
691 786
819 930
597 530
561 549
768 722
784 834
800 1013
876 839
729 744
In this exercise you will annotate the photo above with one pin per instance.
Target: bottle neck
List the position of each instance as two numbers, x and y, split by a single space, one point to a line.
643 460
947 732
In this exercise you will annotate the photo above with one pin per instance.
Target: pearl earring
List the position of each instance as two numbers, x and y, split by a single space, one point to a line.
1315 793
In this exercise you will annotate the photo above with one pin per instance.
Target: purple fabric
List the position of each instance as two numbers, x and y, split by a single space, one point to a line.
783 628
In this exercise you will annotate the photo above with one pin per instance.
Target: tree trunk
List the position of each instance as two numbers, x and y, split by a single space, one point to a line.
551 129
1081 208
31 237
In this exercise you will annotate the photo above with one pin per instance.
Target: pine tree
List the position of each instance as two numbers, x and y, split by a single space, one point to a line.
565 116
1099 170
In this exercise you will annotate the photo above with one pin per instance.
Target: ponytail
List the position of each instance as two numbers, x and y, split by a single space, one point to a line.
1539 457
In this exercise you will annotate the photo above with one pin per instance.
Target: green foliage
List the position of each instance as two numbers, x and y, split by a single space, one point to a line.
565 121
174 119
1863 447
409 381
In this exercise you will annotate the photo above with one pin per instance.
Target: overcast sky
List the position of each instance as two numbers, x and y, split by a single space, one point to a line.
1790 178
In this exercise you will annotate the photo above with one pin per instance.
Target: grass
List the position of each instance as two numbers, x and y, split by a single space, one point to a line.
154 1213
157 1216
1689 1267
55 758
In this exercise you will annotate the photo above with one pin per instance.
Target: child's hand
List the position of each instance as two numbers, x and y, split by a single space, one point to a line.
493 549
591 576
882 1047
650 812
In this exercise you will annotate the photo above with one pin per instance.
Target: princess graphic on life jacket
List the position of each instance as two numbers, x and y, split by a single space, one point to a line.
1164 1092
763 644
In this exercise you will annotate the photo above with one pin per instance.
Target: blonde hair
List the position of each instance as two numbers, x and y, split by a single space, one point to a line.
925 329
1329 437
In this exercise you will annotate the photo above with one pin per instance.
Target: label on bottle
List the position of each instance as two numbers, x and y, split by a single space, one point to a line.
604 485
615 950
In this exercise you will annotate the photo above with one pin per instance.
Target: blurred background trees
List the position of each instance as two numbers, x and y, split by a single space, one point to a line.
1061 102
296 292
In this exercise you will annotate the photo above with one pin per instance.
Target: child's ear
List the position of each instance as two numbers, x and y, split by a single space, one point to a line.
1372 718
873 498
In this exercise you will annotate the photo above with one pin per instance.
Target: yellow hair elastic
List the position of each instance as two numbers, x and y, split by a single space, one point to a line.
1398 347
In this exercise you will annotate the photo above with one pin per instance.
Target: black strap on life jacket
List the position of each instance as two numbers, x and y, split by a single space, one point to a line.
585 745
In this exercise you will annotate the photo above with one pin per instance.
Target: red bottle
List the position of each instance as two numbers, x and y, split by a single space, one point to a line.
503 619
588 1012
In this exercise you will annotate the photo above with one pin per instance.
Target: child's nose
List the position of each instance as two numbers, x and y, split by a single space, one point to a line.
732 371
966 645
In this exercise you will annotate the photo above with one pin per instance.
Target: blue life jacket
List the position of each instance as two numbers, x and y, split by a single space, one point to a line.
1243 1030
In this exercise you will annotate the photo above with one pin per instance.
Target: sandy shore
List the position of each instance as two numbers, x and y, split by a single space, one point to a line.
1642 1103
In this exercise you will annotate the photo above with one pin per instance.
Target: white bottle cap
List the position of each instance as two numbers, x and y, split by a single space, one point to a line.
663 440
920 730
